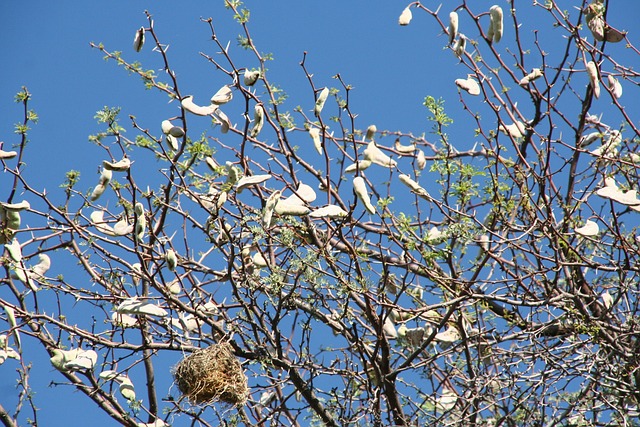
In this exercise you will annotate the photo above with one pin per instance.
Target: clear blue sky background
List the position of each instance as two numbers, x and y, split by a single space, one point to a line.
45 46
390 67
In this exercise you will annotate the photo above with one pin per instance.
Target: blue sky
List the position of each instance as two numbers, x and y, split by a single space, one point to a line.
45 47
390 67
48 47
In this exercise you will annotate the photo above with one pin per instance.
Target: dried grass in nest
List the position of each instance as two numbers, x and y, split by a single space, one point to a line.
212 374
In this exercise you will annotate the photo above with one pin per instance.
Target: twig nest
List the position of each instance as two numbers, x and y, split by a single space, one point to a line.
212 374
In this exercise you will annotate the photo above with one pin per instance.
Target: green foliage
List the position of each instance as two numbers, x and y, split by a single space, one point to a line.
22 96
279 95
72 178
438 115
108 115
144 142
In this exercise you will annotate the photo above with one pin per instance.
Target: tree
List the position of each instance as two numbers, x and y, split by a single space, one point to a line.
326 275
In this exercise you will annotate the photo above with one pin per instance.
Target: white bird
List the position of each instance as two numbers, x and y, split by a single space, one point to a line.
453 26
404 149
126 388
360 188
389 329
61 357
322 98
405 17
258 120
248 181
6 155
120 166
270 206
360 164
371 132
515 130
138 40
266 398
43 265
414 186
536 73
97 218
607 300
589 139
314 133
122 227
259 260
496 26
434 234
136 307
446 338
375 155
222 96
251 77
421 160
483 241
329 211
123 320
15 250
609 147
460 46
469 85
447 400
85 360
592 72
190 106
223 120
612 192
304 193
171 258
16 207
590 228
103 181
188 323
289 208
11 318
614 86
74 360
157 423
141 221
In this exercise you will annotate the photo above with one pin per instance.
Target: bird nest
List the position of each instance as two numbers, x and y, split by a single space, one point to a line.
212 374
